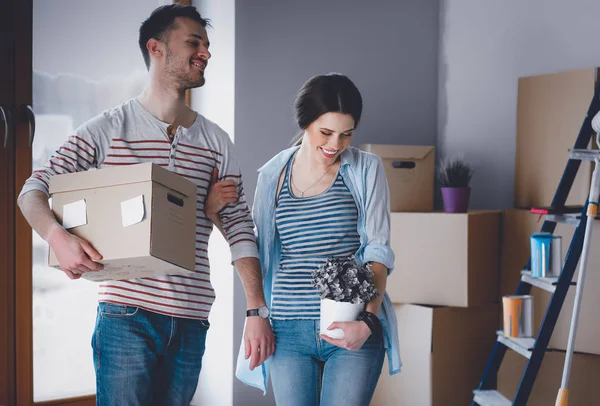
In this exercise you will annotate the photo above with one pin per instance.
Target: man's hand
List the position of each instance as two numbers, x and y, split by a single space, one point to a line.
220 194
356 334
75 255
259 339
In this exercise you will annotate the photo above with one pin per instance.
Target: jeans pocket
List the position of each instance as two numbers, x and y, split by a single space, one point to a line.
205 324
117 310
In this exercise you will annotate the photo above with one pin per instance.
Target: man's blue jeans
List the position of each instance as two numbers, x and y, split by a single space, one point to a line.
145 358
308 371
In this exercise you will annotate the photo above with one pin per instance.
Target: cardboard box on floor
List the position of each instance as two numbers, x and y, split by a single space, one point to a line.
583 384
445 259
550 112
410 172
444 351
518 225
140 218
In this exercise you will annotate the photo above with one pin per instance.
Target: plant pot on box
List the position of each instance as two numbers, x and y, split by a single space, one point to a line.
345 287
455 176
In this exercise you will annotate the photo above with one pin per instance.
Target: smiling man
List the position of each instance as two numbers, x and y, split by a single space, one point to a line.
150 333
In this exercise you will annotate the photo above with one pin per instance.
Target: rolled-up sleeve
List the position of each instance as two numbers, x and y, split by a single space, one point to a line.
236 218
377 216
78 153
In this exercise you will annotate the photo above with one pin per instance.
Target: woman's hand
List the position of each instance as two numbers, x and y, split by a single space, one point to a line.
356 334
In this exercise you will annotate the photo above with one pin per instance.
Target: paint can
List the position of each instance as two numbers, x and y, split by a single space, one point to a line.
518 316
546 255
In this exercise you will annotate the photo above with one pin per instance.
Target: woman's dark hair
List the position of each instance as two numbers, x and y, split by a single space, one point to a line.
330 93
161 21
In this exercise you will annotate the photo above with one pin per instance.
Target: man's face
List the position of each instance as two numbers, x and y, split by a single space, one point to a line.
186 54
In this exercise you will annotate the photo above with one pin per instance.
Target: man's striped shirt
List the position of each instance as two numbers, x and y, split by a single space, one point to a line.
129 134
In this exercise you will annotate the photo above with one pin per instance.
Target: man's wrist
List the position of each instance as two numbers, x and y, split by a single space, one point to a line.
53 231
261 311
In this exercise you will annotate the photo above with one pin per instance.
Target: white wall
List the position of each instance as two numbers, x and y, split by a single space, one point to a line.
215 100
485 46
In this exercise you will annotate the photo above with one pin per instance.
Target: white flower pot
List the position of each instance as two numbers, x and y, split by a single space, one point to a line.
332 311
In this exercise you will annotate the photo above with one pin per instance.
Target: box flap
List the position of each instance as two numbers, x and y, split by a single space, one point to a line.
415 152
173 181
121 175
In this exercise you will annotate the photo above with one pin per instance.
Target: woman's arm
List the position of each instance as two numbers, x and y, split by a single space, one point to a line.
380 280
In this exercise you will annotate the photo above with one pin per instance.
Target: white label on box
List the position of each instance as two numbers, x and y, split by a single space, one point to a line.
132 211
74 214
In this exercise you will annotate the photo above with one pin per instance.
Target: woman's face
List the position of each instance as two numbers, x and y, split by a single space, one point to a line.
328 136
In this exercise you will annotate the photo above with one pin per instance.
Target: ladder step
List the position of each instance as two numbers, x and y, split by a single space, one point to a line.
523 346
490 398
548 284
584 154
570 219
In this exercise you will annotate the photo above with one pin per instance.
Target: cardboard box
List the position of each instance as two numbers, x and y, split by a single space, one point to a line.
518 226
410 172
141 218
444 351
445 259
550 112
583 384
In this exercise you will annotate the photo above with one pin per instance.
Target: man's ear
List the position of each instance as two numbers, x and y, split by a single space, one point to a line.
155 48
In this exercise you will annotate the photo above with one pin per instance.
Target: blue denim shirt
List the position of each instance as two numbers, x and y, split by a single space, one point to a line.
364 175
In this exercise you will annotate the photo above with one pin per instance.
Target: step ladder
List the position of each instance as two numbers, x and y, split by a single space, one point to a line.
534 349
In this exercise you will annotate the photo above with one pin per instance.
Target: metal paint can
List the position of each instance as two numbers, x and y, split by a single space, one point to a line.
546 255
518 316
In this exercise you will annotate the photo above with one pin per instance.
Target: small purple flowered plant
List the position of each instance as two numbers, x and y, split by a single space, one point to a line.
343 280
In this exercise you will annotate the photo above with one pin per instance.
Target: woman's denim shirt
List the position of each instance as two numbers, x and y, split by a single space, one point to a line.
364 175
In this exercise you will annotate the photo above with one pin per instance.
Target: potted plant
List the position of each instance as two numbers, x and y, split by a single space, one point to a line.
455 176
345 287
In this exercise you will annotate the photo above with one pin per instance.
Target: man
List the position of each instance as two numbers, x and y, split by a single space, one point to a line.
150 333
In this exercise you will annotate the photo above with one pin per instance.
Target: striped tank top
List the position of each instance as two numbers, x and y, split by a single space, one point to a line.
312 229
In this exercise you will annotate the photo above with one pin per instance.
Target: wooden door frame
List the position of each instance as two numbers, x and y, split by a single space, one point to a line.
22 295
7 210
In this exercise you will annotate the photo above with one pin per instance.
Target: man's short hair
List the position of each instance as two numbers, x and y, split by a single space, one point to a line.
161 21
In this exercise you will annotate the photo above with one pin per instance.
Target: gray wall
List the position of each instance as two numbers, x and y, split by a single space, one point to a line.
485 46
388 48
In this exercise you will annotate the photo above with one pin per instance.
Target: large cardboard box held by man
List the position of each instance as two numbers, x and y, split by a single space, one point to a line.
518 225
550 112
140 218
444 351
583 383
445 259
410 174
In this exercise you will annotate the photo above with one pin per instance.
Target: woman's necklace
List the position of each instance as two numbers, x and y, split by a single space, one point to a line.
306 190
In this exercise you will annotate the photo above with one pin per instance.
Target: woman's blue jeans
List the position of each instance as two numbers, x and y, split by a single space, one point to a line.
308 371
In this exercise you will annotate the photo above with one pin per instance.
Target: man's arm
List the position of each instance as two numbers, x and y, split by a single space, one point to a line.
75 255
78 153
260 342
235 222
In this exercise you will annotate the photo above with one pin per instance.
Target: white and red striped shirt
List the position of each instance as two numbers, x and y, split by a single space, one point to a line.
129 134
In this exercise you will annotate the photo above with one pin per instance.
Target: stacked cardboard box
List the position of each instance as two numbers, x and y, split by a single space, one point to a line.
444 286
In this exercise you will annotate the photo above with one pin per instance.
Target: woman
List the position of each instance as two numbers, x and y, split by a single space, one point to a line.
328 199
